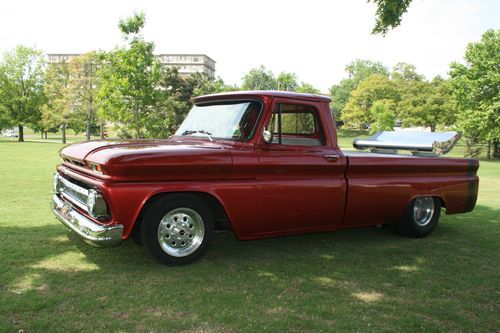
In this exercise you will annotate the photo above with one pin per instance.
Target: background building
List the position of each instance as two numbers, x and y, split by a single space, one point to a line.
186 63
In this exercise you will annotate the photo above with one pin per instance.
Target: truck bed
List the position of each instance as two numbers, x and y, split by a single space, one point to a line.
401 178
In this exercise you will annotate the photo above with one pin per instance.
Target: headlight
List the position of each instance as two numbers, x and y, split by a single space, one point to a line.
57 183
96 205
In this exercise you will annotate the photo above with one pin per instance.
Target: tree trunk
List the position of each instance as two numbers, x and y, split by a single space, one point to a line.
488 154
102 130
472 149
46 133
21 133
496 149
137 125
41 134
433 128
89 121
63 133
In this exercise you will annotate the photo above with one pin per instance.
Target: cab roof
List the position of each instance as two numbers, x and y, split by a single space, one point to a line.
262 93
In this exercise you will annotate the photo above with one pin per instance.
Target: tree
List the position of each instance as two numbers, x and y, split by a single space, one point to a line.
476 87
388 15
22 75
5 122
405 72
57 110
307 88
177 93
259 79
427 104
129 94
356 113
198 84
83 87
423 103
287 81
360 69
382 111
357 71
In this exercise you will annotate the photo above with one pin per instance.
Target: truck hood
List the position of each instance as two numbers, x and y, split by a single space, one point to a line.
151 160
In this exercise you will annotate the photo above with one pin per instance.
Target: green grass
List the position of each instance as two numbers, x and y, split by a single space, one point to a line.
352 280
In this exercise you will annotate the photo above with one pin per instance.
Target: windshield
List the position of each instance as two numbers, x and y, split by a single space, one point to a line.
223 120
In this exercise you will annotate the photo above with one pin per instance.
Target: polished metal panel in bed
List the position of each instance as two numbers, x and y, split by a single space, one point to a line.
417 142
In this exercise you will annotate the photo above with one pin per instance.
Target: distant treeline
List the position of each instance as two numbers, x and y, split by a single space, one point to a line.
129 89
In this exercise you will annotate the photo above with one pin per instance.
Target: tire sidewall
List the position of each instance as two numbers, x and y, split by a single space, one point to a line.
410 227
153 217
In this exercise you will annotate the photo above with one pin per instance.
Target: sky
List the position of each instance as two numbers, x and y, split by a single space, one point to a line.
315 39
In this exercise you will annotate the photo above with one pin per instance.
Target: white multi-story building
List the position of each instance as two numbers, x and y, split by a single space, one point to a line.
186 63
189 63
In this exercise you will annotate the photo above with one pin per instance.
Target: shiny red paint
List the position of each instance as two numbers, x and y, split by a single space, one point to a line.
270 190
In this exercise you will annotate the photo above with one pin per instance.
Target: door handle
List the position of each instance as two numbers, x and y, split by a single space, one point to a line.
332 157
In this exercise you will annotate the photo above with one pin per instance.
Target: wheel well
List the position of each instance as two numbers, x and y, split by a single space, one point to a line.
441 200
221 220
443 203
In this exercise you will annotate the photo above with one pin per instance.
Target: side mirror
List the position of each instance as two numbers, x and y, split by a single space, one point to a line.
267 135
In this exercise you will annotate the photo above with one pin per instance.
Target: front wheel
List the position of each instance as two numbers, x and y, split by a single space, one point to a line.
420 217
177 229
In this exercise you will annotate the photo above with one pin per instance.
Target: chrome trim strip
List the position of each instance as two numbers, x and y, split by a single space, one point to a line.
91 232
74 187
75 201
71 192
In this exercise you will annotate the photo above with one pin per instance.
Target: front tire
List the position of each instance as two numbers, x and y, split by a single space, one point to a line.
420 218
177 229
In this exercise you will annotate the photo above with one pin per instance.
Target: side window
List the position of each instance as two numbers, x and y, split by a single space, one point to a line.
295 124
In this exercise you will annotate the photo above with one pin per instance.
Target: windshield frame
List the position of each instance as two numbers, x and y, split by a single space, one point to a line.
230 101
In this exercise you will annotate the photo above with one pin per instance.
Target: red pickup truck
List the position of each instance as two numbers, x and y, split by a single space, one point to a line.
261 163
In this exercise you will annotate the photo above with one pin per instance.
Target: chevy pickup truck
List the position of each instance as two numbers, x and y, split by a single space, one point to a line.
260 163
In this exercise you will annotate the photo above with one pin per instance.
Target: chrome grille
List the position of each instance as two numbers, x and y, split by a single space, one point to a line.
72 192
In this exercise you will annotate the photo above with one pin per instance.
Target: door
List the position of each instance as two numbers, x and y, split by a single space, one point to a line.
301 175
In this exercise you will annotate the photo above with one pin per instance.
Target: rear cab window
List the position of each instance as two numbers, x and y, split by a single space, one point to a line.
297 125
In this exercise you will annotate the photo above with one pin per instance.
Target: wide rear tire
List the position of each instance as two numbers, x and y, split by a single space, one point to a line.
420 218
177 229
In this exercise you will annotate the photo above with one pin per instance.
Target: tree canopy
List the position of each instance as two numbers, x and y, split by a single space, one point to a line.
57 109
287 81
22 77
426 104
83 87
259 79
388 14
356 112
177 92
262 79
135 93
130 76
382 111
357 71
476 87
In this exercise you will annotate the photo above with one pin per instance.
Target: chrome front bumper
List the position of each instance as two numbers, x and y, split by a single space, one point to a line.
91 232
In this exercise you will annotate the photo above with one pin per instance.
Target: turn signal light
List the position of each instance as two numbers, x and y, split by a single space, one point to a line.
96 168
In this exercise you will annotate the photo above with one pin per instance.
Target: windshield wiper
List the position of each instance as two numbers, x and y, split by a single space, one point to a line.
189 132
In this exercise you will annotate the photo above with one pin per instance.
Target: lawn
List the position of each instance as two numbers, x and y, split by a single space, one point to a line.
352 280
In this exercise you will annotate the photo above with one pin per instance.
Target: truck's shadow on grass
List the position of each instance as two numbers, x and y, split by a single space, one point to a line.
301 275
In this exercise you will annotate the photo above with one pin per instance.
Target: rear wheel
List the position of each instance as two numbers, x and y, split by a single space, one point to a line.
177 229
420 217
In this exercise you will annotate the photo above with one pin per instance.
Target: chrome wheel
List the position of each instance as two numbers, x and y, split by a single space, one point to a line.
181 232
423 210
